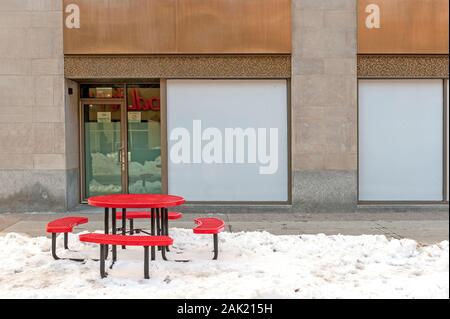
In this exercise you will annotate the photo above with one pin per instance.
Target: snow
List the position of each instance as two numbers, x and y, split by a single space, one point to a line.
250 265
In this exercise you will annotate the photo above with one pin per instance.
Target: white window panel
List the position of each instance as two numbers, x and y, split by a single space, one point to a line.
401 140
227 140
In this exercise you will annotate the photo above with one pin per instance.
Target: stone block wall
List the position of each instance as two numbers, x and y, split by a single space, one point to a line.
32 114
324 104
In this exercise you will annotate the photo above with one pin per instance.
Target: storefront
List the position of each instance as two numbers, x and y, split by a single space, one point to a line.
241 106
197 146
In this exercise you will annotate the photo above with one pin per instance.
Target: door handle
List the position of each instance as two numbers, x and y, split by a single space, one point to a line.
122 158
120 155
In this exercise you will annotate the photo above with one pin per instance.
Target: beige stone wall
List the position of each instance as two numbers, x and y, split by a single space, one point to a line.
32 114
31 85
324 85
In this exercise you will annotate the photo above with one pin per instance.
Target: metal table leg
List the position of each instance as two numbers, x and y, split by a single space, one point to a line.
166 224
153 253
114 231
165 229
106 230
158 224
124 223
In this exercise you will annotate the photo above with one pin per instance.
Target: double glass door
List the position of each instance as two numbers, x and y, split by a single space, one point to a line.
121 139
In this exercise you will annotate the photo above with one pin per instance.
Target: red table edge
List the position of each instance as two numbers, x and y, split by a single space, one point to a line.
92 202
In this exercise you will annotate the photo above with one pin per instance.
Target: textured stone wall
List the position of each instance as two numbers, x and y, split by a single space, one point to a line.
324 84
403 66
32 116
324 104
177 66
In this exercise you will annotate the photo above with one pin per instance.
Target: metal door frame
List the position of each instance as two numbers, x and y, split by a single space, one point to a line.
123 140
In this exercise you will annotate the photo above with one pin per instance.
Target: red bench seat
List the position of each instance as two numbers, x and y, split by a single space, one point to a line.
116 240
66 224
144 241
210 226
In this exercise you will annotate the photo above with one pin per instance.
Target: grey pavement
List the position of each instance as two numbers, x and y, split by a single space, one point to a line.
424 227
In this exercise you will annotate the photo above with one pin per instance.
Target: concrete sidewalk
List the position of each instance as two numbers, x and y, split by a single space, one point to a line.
424 227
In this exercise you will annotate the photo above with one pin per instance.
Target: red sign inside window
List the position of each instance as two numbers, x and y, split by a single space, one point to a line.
142 104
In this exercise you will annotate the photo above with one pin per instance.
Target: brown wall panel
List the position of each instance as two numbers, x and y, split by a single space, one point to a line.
122 26
233 26
406 27
180 27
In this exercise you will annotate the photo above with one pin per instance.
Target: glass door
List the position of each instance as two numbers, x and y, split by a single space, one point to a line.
121 139
104 148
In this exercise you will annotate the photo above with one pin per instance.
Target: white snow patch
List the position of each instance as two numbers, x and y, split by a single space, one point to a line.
250 265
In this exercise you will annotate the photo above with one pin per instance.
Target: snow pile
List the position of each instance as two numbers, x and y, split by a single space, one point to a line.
250 265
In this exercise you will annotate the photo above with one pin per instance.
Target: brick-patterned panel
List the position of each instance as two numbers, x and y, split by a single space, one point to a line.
403 66
138 67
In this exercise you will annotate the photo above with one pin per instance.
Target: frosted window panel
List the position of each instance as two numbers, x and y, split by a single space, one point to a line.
207 166
401 140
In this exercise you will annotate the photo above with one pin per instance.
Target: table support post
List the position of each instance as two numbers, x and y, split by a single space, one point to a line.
159 223
166 224
124 223
131 227
153 232
106 221
163 224
152 221
216 246
167 221
114 231
66 241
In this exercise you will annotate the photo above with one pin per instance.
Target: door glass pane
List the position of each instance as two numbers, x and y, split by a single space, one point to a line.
102 149
144 139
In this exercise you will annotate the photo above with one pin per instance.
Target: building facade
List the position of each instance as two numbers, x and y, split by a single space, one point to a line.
240 106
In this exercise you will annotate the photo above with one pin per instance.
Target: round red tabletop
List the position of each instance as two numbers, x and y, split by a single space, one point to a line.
136 201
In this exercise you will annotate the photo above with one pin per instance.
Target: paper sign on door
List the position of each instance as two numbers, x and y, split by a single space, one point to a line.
134 117
104 117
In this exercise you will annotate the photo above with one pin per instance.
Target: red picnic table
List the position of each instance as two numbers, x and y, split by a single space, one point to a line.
159 214
157 203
